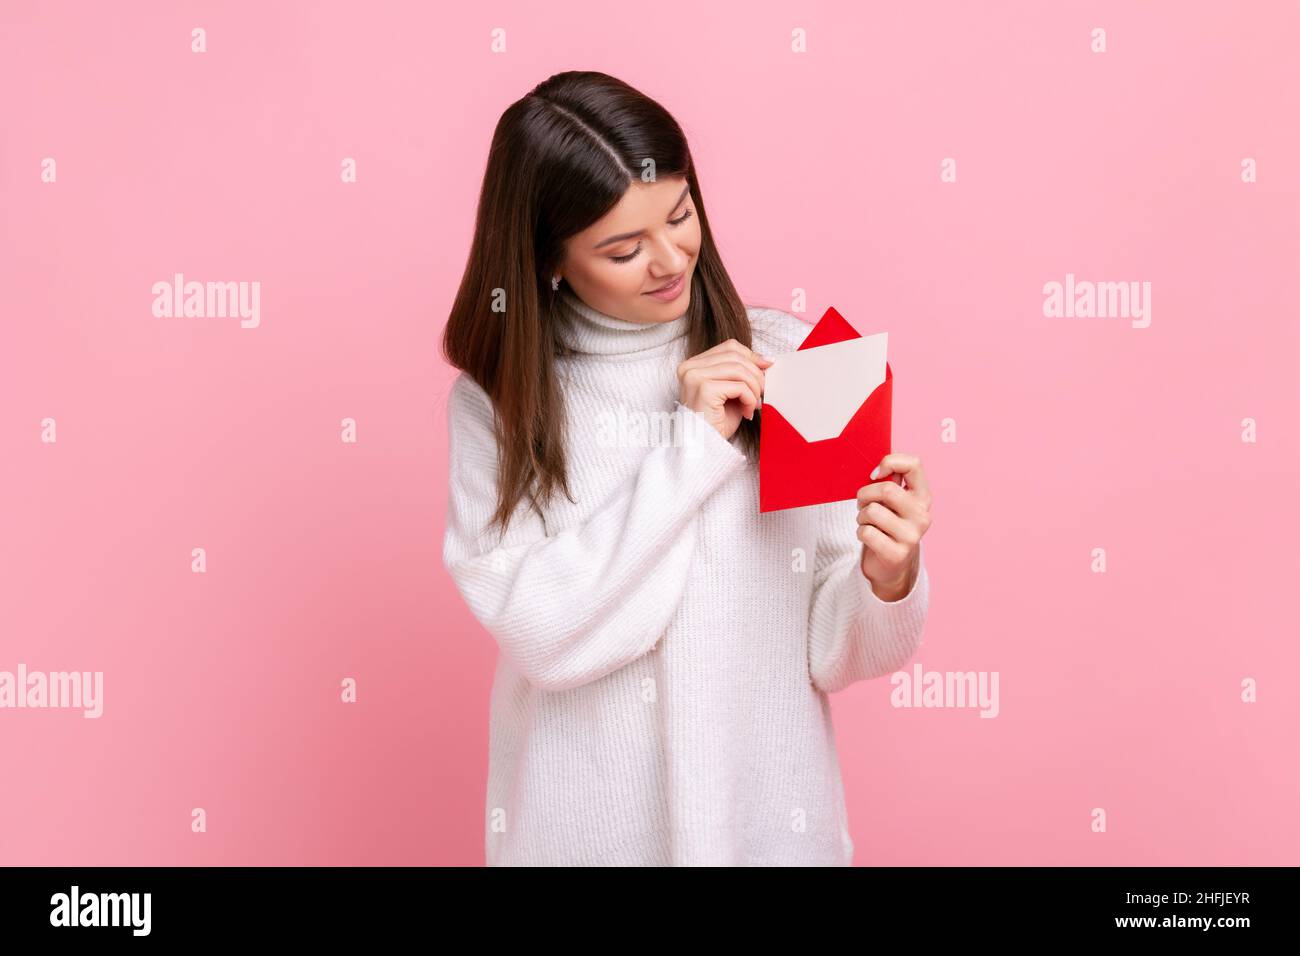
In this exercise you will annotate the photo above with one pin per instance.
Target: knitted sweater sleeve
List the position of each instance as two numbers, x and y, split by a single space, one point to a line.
570 607
852 634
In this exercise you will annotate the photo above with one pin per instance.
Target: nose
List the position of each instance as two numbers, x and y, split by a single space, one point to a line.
669 258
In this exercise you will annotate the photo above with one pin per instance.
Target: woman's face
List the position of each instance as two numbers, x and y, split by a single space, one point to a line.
651 239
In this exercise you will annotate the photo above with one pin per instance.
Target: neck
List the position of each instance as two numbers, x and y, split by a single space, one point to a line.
592 332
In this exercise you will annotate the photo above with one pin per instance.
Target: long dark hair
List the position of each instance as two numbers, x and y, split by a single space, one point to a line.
561 158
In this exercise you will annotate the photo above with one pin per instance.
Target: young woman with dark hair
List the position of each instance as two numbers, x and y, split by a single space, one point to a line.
666 651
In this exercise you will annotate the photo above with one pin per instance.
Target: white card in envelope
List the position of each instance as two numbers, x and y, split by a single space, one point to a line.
819 390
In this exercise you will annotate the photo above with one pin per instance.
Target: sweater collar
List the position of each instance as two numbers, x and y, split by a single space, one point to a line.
589 331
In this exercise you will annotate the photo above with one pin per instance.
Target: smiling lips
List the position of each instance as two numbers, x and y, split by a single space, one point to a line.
664 288
669 289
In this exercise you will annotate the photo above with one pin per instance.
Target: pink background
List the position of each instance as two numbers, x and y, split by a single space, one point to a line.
820 171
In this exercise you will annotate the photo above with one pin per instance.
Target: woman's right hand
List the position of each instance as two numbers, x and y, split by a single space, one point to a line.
723 384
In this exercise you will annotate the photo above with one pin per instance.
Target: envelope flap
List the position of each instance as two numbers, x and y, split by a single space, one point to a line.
818 390
831 327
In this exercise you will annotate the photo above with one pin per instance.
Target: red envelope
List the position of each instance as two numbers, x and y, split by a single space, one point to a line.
794 471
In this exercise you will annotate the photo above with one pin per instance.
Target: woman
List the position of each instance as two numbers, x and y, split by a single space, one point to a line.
666 651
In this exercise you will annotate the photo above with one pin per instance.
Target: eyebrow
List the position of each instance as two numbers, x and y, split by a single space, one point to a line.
633 235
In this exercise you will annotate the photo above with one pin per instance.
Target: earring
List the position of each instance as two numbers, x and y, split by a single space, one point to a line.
555 283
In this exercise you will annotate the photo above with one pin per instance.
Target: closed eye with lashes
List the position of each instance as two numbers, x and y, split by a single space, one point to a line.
637 251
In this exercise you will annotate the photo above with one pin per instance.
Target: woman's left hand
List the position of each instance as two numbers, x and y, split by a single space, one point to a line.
891 521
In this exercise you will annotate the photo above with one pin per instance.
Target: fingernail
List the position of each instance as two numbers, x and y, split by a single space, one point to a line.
875 473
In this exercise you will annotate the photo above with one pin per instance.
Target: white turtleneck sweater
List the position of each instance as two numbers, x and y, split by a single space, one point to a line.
666 651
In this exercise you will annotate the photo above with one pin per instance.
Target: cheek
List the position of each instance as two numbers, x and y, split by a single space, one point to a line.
624 278
691 243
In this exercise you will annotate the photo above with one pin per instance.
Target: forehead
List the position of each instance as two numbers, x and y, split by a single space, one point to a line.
642 206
